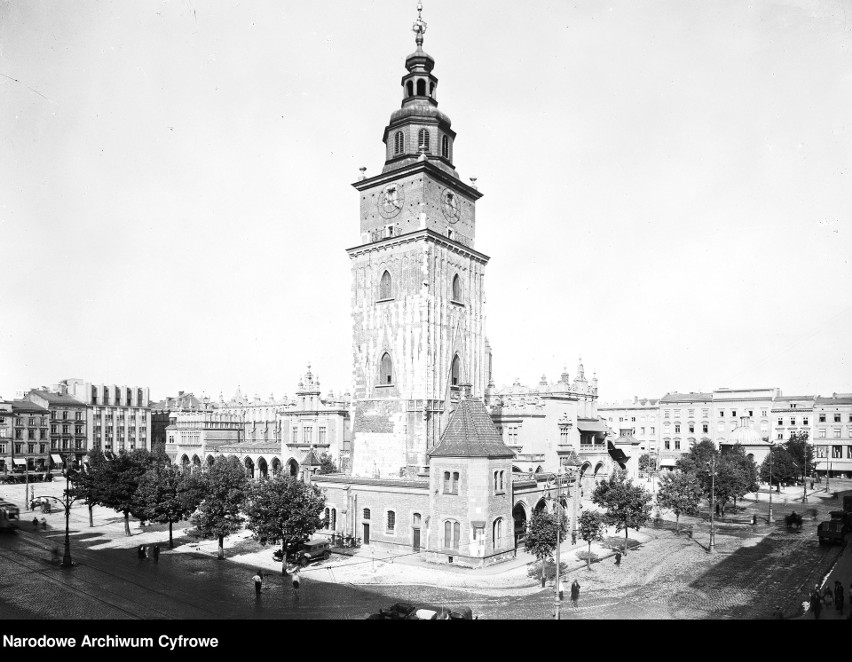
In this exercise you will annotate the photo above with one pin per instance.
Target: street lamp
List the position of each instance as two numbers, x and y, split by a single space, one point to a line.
712 465
771 448
66 502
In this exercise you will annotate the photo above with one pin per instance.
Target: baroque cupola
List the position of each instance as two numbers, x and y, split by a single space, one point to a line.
418 130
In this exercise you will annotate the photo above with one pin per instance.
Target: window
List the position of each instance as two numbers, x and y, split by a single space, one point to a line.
452 532
445 147
677 444
822 433
498 482
805 420
691 413
837 452
792 420
398 143
820 451
421 88
497 533
457 288
295 435
677 427
632 419
848 452
837 433
850 418
667 444
822 418
327 519
763 412
642 431
64 416
652 430
366 514
451 482
389 230
780 435
321 435
677 413
692 427
391 524
705 413
733 413
385 287
454 371
309 435
666 413
837 418
705 427
78 416
423 140
386 370
780 421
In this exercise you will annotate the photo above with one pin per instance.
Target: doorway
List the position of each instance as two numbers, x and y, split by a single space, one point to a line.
366 534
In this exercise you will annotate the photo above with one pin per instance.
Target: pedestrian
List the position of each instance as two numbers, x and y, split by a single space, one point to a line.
43 524
156 553
258 581
575 593
561 590
296 580
140 553
618 557
827 597
816 602
35 523
54 555
838 597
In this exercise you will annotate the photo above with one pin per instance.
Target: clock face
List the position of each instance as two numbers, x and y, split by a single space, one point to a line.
391 200
450 205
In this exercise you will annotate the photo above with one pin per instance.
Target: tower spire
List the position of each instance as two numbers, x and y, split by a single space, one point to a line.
419 27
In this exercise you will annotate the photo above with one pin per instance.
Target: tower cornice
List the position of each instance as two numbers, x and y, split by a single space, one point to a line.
421 166
418 235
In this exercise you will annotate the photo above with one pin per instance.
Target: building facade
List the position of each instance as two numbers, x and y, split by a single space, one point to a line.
641 415
833 434
685 419
24 441
68 424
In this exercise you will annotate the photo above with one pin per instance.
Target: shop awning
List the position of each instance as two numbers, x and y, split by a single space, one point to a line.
56 458
19 461
590 425
668 462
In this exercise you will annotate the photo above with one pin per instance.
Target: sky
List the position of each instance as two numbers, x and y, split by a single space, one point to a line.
667 187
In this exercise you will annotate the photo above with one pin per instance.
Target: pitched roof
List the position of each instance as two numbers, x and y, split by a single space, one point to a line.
686 397
311 459
27 405
58 399
471 433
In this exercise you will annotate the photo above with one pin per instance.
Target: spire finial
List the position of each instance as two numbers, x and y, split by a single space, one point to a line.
419 26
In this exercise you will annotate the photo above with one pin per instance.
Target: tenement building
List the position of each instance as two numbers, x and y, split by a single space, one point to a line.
833 434
430 471
638 414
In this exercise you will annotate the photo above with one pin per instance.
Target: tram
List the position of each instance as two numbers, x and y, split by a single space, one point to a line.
9 517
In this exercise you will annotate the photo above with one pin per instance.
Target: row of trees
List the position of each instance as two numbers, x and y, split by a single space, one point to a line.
219 501
625 506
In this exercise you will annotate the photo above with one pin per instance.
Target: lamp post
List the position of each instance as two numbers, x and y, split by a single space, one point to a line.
771 448
712 464
66 502
27 482
557 614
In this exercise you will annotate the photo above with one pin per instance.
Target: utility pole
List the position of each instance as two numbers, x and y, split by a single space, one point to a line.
771 448
558 542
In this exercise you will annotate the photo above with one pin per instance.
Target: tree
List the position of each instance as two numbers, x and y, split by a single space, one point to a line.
86 484
541 536
327 465
284 509
118 480
783 468
698 457
680 493
218 515
747 468
802 453
628 506
591 530
645 462
163 495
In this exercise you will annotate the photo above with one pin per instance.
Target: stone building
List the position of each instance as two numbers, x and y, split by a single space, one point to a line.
69 424
685 419
24 440
641 415
788 415
164 413
833 435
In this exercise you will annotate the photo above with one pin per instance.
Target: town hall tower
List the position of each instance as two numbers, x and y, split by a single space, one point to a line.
417 286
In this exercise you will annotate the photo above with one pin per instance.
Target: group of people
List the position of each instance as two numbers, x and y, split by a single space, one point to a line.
575 592
294 574
828 598
142 553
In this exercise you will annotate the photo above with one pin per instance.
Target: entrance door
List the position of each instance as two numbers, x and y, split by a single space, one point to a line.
366 540
416 540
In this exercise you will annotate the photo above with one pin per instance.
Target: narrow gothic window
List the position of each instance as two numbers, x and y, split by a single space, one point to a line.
385 290
497 535
454 371
410 87
423 140
456 288
445 147
386 370
421 88
391 522
398 143
451 534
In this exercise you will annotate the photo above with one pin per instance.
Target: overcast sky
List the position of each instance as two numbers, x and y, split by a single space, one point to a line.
667 187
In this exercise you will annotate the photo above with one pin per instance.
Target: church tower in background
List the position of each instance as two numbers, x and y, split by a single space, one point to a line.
417 286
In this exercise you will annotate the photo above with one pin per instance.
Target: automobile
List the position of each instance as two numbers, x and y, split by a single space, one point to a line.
313 550
406 611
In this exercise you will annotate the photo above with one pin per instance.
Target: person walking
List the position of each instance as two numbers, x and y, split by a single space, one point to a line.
575 593
561 590
258 581
816 602
827 597
140 553
838 597
156 553
297 580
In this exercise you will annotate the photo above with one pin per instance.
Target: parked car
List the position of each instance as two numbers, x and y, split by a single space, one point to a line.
835 529
405 611
313 550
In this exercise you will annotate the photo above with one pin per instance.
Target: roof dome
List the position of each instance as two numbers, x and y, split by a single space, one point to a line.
745 434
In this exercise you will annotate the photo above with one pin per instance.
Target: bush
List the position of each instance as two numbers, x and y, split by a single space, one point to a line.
585 555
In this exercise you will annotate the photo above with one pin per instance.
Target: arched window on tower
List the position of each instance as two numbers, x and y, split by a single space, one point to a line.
386 370
423 140
454 371
431 89
421 88
457 288
398 143
410 87
385 287
445 147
